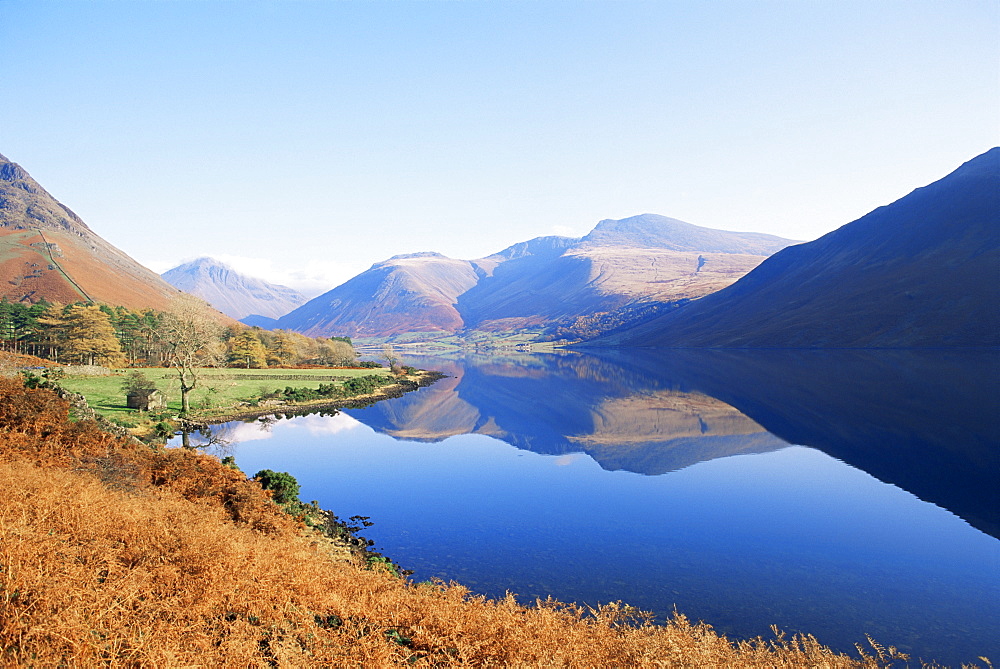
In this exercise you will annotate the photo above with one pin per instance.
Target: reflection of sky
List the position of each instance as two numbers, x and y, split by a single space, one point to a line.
243 432
792 537
315 424
258 430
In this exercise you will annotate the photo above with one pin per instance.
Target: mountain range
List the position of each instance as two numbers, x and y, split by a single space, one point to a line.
236 295
47 251
642 259
922 272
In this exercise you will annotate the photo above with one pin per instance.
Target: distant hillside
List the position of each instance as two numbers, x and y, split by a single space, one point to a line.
232 293
923 272
412 292
535 283
650 231
46 251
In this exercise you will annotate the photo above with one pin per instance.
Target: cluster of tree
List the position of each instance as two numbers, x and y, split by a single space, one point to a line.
255 348
185 337
82 333
87 333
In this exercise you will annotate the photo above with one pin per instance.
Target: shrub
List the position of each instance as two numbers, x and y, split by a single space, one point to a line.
283 486
163 430
362 385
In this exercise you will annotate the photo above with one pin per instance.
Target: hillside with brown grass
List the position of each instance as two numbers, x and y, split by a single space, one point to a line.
117 553
48 252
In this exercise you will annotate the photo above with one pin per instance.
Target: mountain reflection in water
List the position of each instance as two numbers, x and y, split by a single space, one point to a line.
926 421
571 405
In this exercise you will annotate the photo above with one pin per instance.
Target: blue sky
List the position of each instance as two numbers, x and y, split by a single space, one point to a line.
303 140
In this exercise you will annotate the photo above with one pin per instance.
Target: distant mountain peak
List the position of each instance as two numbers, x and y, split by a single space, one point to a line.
234 294
420 254
549 245
206 261
663 232
920 272
535 283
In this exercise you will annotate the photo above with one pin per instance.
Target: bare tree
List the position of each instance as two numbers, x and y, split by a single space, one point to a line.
391 357
191 337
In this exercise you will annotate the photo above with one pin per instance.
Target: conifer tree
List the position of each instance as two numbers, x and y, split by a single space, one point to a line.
282 351
52 330
246 350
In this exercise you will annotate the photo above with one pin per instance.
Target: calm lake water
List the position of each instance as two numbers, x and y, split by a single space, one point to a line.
835 493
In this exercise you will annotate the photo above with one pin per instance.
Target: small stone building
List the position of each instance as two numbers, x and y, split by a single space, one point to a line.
146 399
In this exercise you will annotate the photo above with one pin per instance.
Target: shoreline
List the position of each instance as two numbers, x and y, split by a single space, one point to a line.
421 379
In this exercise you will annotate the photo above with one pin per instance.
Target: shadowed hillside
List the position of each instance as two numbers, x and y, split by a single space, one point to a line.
922 272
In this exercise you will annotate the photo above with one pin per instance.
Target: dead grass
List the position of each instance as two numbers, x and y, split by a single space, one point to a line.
12 363
120 555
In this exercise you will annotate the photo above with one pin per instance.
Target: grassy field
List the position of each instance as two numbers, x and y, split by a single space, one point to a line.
216 389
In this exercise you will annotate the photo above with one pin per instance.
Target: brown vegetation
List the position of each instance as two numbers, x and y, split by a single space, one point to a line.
47 252
11 363
120 554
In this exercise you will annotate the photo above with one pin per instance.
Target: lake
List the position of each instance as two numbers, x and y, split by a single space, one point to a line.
839 493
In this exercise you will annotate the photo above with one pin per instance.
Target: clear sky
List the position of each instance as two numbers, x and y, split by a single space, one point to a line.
304 140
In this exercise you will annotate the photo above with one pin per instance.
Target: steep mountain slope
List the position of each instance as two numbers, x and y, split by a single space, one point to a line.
639 259
923 272
642 258
46 251
232 293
